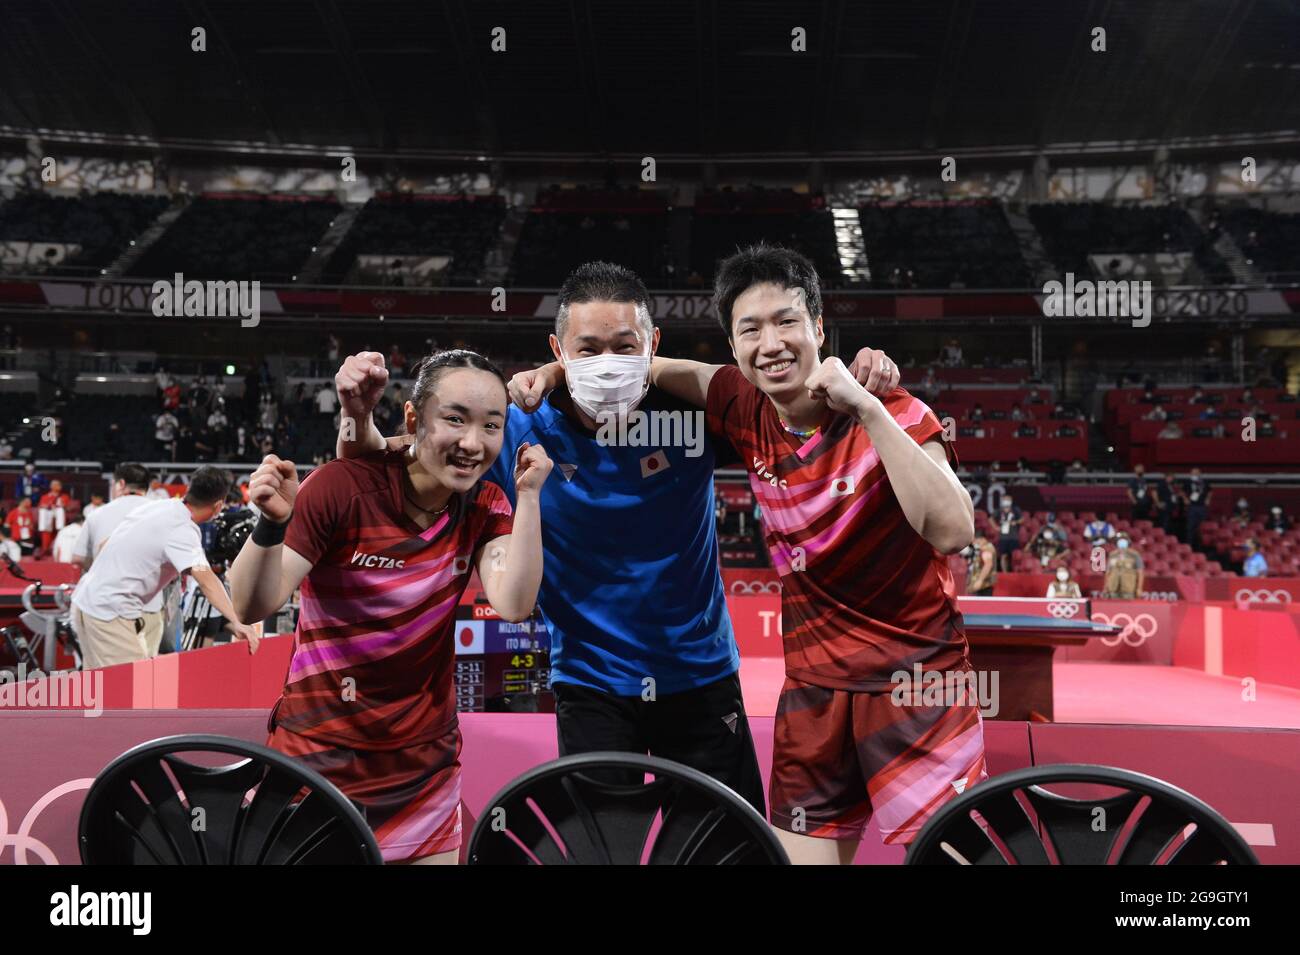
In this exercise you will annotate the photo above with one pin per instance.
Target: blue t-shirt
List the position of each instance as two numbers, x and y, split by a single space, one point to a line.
631 587
1255 565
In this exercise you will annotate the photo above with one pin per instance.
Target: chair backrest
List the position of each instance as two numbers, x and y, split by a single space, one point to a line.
600 809
1012 820
150 807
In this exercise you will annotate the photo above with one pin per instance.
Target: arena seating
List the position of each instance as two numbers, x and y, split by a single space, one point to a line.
1071 231
1275 240
237 237
567 227
465 228
726 220
945 244
1227 539
101 223
1161 552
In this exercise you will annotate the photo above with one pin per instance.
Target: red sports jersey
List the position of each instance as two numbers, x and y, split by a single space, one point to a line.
21 524
373 656
863 595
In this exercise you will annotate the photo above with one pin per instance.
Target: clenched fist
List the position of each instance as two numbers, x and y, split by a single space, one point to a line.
360 384
528 388
531 468
273 488
874 371
832 383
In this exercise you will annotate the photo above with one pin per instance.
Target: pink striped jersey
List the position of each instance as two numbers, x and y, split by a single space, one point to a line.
862 594
373 658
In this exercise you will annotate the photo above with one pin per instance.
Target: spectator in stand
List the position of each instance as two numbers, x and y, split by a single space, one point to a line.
1157 413
157 491
396 361
1018 413
1170 430
1098 531
1063 586
1077 467
1242 517
1008 520
982 569
1172 504
21 522
6 449
1147 507
171 397
929 387
32 484
951 355
1209 413
332 352
1196 493
1198 396
1124 572
52 515
268 412
1277 521
9 549
96 502
326 401
1047 546
65 541
1138 483
1254 565
1056 527
977 413
164 433
218 428
1059 413
1149 397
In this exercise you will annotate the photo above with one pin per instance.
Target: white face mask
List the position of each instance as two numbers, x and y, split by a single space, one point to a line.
608 384
1062 576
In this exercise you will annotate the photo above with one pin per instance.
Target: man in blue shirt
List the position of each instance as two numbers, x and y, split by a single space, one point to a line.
643 658
1254 565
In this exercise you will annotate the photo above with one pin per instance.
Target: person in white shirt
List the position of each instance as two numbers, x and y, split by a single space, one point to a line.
152 546
129 484
326 401
1063 586
157 491
66 539
8 546
96 502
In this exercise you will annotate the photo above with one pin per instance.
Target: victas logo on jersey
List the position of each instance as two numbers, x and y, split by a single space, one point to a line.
375 560
765 474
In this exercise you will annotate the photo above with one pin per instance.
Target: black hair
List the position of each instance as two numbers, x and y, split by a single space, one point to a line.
599 282
208 485
134 476
764 263
430 369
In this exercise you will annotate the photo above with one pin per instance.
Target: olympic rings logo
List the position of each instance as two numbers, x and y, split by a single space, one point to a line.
383 303
1263 596
23 841
756 587
1144 626
1063 609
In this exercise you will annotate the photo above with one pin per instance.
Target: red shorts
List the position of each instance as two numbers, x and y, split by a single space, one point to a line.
410 796
838 756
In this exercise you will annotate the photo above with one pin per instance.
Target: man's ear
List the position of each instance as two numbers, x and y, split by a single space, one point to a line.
654 342
819 332
555 348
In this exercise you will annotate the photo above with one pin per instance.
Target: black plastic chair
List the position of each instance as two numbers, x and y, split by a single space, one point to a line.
265 809
570 812
1012 820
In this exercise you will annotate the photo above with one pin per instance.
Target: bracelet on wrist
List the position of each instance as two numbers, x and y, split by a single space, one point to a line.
267 533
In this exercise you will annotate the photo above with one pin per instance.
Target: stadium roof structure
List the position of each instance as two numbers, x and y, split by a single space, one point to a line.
669 78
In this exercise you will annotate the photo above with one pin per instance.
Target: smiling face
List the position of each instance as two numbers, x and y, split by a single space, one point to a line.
775 340
459 430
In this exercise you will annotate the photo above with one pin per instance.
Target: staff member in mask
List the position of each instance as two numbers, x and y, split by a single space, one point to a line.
643 658
1063 586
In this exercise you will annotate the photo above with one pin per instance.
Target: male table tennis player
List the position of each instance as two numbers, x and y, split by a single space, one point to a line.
643 658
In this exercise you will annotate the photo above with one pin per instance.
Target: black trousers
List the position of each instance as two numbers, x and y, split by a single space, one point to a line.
704 728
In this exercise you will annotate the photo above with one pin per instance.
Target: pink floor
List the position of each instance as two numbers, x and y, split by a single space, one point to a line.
1107 693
